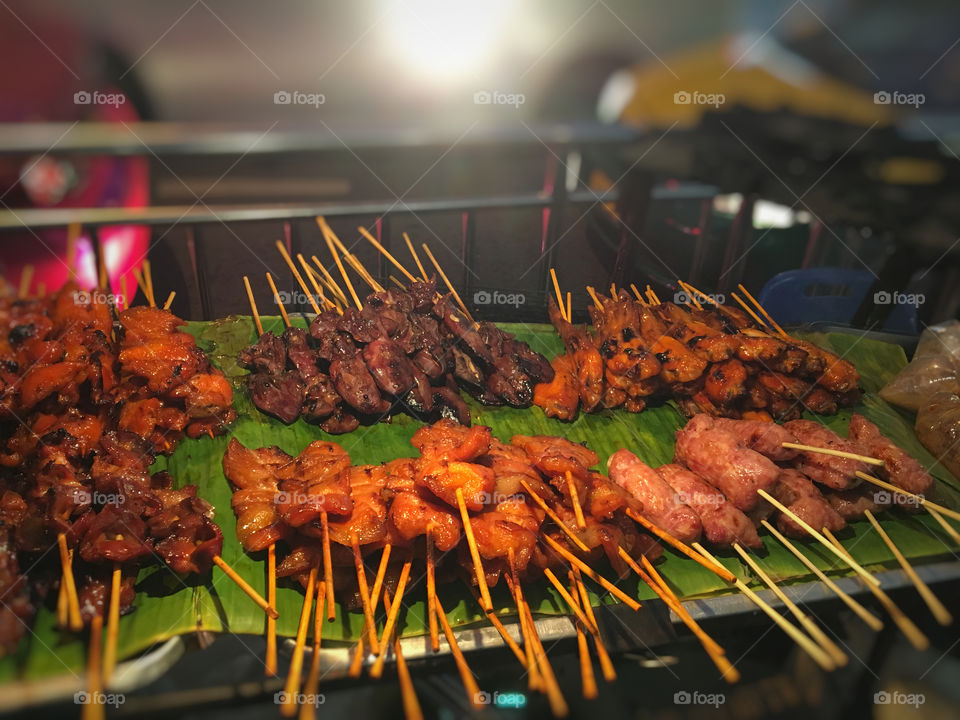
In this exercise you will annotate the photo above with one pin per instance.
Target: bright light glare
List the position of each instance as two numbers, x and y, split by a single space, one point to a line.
447 39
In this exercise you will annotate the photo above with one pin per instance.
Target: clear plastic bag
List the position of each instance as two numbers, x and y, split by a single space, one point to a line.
938 428
935 369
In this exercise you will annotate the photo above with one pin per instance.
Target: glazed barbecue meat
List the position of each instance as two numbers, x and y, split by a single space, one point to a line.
834 472
448 440
368 519
660 501
718 457
556 456
723 524
560 398
256 475
606 498
280 395
412 512
899 468
802 497
317 483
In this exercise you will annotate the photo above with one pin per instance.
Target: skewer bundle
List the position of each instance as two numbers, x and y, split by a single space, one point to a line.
399 349
710 358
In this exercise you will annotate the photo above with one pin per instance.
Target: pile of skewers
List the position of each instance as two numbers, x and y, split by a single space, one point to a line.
90 393
710 358
405 348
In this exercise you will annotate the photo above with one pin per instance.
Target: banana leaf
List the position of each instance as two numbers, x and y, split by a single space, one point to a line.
168 605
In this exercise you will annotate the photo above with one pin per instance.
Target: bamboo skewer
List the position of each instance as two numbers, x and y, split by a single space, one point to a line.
408 694
613 292
396 282
169 302
593 296
292 687
592 574
534 682
276 299
606 664
575 501
588 680
804 642
940 613
63 616
868 617
638 295
554 517
381 574
446 280
416 258
387 255
113 622
73 604
124 295
253 306
270 665
836 453
485 602
756 318
327 564
377 670
73 234
906 625
499 627
309 709
556 288
26 280
328 236
94 709
365 595
689 290
712 566
837 656
575 607
466 677
569 306
245 586
948 528
432 592
702 294
558 705
919 498
148 279
312 277
653 296
296 274
826 543
331 284
773 323
656 582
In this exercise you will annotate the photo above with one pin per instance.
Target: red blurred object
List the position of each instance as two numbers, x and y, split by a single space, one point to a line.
49 86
